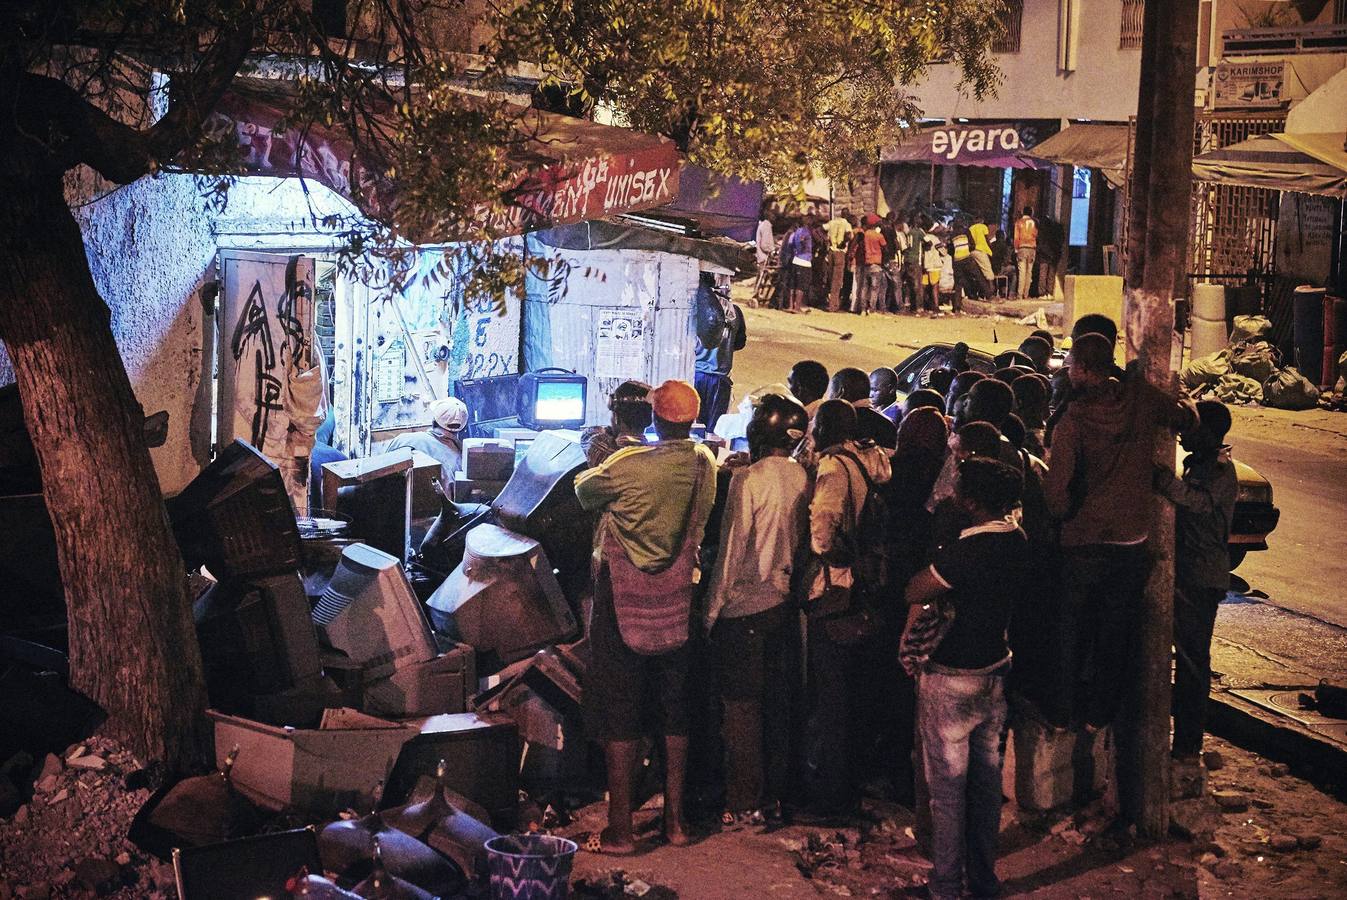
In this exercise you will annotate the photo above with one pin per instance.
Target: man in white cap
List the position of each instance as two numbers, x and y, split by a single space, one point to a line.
441 440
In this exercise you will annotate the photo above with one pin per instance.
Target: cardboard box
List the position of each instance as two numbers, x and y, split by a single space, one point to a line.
319 771
488 460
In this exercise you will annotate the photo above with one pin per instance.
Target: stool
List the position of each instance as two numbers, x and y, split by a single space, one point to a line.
1002 285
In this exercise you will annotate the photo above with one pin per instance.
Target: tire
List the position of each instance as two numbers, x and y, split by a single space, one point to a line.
1237 555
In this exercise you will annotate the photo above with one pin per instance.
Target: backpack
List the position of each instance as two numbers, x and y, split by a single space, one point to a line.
864 547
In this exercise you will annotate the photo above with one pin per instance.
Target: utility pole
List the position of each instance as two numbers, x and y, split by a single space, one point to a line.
1157 262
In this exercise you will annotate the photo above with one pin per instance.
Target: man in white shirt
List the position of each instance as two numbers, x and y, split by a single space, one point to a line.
765 240
752 624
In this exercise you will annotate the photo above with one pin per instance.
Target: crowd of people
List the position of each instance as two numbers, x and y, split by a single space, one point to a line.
879 575
905 262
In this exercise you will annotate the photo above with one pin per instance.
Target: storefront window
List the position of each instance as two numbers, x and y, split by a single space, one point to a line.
1080 207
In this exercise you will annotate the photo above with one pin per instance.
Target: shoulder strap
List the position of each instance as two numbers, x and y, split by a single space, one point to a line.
869 482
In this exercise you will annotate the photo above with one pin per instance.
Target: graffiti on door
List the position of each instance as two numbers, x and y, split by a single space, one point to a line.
269 337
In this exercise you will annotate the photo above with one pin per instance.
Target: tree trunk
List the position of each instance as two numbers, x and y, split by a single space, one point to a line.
1158 239
133 647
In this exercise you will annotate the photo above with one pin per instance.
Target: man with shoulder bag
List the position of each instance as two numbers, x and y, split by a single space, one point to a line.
655 500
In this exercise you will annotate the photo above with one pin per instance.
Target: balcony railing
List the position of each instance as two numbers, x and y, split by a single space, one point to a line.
1280 41
1133 14
1012 17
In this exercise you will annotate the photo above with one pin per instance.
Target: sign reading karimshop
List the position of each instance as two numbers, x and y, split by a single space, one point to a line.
1259 85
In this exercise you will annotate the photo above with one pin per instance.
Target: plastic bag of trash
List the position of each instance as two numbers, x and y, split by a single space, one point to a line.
1254 359
1288 389
1237 389
1206 369
1250 328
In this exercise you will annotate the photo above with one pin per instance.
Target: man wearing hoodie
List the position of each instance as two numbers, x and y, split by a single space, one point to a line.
1097 489
1205 498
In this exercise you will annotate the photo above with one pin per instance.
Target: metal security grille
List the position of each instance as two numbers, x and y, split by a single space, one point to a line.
1234 228
1011 16
1133 12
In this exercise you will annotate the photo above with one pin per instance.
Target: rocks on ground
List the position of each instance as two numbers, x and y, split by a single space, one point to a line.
70 838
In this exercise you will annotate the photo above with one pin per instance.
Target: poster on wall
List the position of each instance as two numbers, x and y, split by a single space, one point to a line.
620 345
1255 85
1305 237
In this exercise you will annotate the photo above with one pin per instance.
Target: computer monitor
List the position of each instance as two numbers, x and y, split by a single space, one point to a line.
257 640
370 613
235 517
551 400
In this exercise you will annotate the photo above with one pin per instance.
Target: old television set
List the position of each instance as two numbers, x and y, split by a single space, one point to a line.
258 647
551 398
370 614
236 518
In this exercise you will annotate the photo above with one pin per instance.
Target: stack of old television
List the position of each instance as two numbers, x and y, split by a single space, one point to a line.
340 687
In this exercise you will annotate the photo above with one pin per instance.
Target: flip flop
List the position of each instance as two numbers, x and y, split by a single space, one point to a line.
594 844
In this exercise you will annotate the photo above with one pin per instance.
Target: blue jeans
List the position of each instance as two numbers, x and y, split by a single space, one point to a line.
961 715
871 295
714 392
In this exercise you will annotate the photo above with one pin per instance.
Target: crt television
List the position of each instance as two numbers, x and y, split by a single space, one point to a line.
235 517
551 398
370 613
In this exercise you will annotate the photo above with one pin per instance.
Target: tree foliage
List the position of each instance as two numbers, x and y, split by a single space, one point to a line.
130 88
772 89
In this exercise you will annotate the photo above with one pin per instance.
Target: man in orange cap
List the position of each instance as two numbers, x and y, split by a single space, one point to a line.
655 500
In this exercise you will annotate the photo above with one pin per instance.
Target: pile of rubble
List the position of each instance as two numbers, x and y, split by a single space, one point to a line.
71 839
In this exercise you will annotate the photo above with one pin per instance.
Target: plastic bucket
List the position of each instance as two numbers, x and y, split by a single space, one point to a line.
530 866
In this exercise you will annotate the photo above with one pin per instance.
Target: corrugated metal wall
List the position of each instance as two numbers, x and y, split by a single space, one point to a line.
562 314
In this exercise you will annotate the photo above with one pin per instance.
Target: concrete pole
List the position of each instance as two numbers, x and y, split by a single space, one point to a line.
1157 268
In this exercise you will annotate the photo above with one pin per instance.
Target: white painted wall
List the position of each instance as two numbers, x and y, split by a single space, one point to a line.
1104 86
1323 111
150 246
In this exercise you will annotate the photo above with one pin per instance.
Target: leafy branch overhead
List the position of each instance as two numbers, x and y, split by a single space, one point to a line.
770 89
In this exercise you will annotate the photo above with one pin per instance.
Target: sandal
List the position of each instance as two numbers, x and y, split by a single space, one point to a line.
594 844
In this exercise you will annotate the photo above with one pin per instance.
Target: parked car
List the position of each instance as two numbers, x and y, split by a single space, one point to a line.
1256 516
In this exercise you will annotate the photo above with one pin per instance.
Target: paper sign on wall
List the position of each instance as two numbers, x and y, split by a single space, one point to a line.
620 347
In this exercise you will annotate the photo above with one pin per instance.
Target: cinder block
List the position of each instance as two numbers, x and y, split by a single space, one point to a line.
1093 294
1058 768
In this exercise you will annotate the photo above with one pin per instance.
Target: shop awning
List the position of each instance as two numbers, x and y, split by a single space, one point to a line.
1087 145
996 145
1305 163
569 170
620 235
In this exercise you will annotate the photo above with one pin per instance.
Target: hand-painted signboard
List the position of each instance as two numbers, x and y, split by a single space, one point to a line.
569 170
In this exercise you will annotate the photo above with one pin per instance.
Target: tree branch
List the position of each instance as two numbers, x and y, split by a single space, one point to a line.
73 130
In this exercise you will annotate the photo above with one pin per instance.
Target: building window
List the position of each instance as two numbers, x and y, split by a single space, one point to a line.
1133 13
1010 15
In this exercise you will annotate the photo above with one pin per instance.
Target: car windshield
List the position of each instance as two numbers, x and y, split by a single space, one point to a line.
914 373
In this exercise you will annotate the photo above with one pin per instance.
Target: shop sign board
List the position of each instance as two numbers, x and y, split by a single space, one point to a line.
1250 85
982 144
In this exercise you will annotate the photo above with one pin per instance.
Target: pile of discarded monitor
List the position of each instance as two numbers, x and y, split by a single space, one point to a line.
400 717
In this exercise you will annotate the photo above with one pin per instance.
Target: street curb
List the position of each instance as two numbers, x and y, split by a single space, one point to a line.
1318 760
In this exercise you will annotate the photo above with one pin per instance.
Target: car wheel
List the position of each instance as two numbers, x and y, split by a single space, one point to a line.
1237 555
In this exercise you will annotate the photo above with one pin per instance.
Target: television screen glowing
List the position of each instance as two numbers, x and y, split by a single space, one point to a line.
560 401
